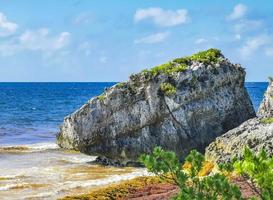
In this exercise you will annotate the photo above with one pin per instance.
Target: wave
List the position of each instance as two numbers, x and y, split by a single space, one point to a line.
21 186
86 185
28 148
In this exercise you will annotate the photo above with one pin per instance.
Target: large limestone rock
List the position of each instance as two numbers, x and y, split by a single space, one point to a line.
266 107
256 133
182 108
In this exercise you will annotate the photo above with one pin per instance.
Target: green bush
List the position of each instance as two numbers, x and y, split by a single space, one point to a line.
258 169
166 165
168 89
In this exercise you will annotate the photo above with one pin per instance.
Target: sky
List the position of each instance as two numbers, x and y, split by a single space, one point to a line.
107 40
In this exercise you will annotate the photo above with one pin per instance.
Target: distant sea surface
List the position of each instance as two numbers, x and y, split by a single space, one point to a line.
32 112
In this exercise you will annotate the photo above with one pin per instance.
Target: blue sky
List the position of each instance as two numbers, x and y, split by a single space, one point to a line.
107 40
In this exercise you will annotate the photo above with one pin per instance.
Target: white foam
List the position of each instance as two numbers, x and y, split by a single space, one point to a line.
105 181
81 158
33 147
9 186
43 146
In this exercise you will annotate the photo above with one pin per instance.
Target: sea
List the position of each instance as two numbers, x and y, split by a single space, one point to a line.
32 166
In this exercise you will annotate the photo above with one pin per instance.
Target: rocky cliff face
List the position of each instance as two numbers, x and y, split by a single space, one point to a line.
266 107
256 133
181 105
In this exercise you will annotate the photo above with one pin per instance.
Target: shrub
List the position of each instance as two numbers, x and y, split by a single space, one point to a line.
267 120
168 89
166 165
258 169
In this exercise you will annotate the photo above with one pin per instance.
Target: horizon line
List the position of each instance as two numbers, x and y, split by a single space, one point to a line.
92 81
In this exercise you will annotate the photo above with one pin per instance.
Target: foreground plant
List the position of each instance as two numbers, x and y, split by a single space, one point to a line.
166 165
256 169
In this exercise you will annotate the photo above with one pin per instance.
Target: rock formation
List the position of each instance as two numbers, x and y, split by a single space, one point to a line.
266 107
181 105
256 133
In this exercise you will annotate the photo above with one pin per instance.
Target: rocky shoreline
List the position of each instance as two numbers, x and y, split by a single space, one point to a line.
197 102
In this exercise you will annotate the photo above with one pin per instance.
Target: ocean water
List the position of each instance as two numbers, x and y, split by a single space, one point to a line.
32 112
32 166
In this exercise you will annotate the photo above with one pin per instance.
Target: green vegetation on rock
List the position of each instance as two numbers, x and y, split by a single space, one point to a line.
101 97
168 89
121 85
209 56
167 68
267 120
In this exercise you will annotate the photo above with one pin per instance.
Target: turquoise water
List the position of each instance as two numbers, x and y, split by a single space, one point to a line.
32 112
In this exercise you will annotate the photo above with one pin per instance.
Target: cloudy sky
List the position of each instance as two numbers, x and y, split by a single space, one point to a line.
103 40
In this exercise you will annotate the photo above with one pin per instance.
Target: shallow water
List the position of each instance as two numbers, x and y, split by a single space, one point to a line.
47 172
31 165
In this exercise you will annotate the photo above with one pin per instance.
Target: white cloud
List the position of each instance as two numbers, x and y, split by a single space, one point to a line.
200 41
35 40
254 44
238 12
6 27
247 25
241 24
41 40
154 38
160 17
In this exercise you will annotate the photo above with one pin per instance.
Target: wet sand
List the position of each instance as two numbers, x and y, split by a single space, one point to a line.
44 171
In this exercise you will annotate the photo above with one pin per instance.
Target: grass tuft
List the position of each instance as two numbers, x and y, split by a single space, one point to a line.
168 89
267 120
101 97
